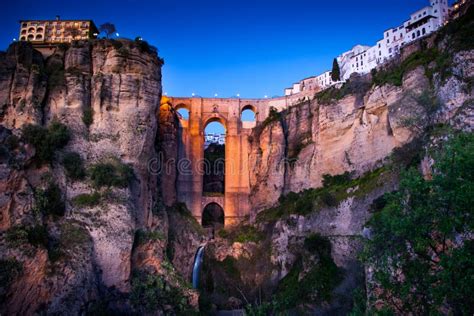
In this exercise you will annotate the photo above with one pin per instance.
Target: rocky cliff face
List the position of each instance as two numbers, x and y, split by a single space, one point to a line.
364 129
354 133
104 231
23 88
107 93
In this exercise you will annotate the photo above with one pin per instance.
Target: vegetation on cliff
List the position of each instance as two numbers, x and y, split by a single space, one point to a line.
87 199
111 173
49 201
420 243
315 285
242 234
46 140
9 269
335 189
151 292
74 166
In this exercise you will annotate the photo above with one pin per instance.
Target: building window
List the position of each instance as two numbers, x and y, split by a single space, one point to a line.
424 31
418 33
413 35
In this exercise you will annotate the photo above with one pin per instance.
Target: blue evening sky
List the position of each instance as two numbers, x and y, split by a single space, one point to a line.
251 47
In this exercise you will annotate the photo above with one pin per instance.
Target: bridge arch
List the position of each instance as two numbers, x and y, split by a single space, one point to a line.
213 216
250 107
214 118
194 188
248 116
183 110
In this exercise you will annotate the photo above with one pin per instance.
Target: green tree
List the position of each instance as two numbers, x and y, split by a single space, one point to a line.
336 71
46 140
107 28
420 249
112 173
50 200
74 166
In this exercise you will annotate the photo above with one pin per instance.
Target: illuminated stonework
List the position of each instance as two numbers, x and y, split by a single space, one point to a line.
46 34
202 111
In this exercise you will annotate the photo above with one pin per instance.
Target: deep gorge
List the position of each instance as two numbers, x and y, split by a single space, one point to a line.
86 227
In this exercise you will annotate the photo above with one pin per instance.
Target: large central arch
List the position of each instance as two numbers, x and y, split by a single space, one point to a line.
214 157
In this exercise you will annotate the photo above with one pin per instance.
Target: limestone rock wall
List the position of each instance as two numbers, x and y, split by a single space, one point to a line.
22 86
119 83
352 134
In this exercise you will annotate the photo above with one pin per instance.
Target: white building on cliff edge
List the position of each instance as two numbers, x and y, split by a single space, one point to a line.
362 59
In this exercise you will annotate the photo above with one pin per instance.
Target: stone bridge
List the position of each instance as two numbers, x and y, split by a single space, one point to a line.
202 111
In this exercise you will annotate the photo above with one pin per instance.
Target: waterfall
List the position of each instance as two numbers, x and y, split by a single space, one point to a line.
197 266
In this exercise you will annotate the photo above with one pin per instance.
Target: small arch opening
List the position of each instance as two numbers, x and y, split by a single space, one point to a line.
213 216
183 111
23 32
248 114
31 30
39 37
39 29
31 37
183 114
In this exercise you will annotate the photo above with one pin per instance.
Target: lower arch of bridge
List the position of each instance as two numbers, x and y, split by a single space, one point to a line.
213 216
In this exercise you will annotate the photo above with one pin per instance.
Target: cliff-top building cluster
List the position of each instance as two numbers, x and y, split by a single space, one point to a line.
46 34
213 138
362 59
